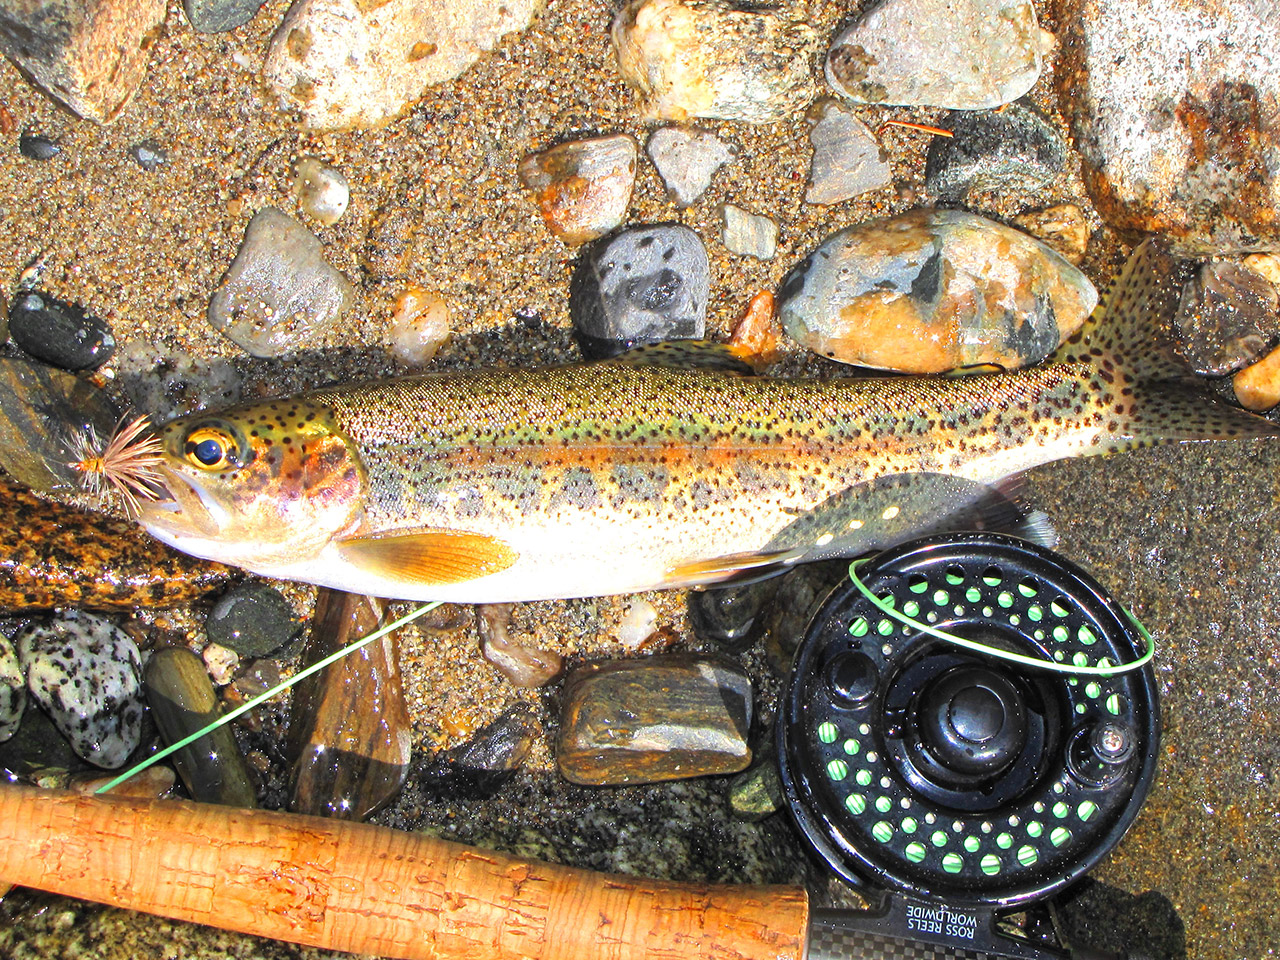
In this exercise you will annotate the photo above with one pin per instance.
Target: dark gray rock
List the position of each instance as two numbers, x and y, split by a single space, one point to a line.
149 154
59 333
33 146
87 674
1229 316
252 619
183 701
1014 150
481 766
643 285
218 16
731 615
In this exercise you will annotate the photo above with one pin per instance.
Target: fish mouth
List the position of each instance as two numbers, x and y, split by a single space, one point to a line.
186 510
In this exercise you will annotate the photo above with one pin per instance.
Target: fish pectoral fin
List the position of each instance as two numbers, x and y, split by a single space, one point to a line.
428 557
719 569
685 355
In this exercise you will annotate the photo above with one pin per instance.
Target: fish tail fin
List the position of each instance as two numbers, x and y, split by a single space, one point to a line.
1128 345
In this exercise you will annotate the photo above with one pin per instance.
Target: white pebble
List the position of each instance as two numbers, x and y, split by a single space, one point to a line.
749 234
322 191
639 622
221 662
419 326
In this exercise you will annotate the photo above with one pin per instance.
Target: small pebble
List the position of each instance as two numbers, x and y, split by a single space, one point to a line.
1229 316
279 293
757 793
933 290
419 326
252 619
35 147
1266 265
1013 151
666 717
582 187
523 666
687 160
643 285
847 161
747 233
480 767
1257 386
1063 227
757 336
322 191
87 673
13 689
219 16
639 622
154 783
221 662
150 156
59 333
731 616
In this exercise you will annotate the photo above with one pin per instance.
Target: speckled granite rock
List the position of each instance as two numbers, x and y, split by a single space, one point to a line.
1063 227
89 55
932 290
713 58
1015 150
1174 106
13 689
963 54
847 160
582 187
344 63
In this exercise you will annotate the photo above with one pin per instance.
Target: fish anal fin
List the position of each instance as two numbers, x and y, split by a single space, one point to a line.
751 566
429 557
686 355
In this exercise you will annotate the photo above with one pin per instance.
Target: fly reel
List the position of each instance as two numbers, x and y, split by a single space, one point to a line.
962 782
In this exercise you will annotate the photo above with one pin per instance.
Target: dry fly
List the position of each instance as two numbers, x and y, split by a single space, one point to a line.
126 463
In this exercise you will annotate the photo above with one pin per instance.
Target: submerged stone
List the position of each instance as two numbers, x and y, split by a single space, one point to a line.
713 58
322 191
667 717
931 291
252 619
59 333
1063 227
523 665
1013 150
480 767
219 16
582 187
732 616
182 701
1229 317
847 161
87 674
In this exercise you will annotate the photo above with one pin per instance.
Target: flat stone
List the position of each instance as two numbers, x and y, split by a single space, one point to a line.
349 727
1013 151
1063 227
13 689
933 290
847 161
89 55
747 233
582 187
35 146
59 333
279 294
643 285
714 58
962 54
1175 111
480 767
219 16
348 63
87 674
687 161
1229 317
322 191
523 665
182 701
252 619
667 717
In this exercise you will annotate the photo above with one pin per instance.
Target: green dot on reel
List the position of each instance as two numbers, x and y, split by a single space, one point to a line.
972 844
884 804
1086 636
911 608
1027 855
1092 690
918 583
859 627
1005 599
939 838
915 851
1004 841
1059 835
884 627
1035 829
1060 810
1058 610
1028 588
856 803
1061 633
952 862
941 598
1113 704
990 864
851 747
863 778
973 594
909 824
827 732
1086 810
837 769
955 576
882 831
1035 613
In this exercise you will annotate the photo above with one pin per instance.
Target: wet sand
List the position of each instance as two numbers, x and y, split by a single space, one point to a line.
1185 537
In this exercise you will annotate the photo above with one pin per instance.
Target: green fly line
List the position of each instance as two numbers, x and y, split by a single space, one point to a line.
278 688
991 651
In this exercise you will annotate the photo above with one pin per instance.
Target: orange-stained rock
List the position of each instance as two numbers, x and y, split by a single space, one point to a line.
583 187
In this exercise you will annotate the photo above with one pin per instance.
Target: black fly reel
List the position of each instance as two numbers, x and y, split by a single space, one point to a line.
964 782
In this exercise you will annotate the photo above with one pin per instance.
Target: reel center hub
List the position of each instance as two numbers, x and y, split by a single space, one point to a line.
971 719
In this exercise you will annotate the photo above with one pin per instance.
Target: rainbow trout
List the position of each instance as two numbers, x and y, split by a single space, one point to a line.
665 467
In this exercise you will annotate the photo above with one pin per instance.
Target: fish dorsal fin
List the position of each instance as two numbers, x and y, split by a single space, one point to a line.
428 557
1132 326
685 355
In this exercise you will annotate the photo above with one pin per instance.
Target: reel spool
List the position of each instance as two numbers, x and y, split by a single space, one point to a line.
925 768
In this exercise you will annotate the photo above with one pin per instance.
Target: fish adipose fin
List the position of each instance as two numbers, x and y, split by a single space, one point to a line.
428 557
1129 346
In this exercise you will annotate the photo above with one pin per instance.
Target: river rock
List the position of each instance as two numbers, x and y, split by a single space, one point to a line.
962 54
1176 115
582 187
349 726
149 155
279 294
166 383
666 717
89 55
747 233
13 689
523 665
480 767
643 285
59 333
1063 227
1257 386
183 701
731 616
933 290
847 161
419 326
349 63
87 673
757 793
757 335
687 160
252 619
322 191
1229 316
219 16
715 58
1013 151
35 146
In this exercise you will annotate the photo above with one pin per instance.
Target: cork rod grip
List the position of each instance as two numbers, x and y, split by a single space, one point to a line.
365 889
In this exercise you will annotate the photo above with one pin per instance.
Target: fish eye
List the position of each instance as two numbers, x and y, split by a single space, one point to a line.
210 448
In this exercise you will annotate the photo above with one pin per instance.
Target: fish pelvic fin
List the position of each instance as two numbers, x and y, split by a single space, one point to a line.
428 557
1128 350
